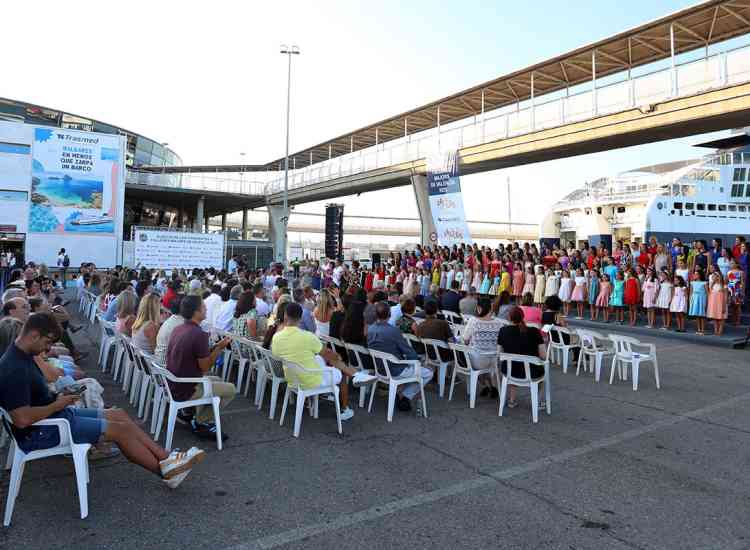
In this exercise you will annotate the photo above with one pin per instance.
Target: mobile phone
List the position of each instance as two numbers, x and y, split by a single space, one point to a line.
74 389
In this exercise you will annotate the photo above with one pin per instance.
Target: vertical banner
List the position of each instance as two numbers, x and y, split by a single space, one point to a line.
75 181
446 202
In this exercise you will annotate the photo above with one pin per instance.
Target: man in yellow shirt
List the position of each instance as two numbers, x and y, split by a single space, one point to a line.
305 349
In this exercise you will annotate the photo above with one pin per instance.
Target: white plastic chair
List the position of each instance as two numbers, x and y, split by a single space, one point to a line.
163 376
628 354
273 371
356 361
557 346
452 317
594 348
526 382
383 375
107 339
433 358
17 460
462 367
293 371
241 354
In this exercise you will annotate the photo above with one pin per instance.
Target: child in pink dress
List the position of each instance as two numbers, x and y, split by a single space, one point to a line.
578 296
518 281
602 301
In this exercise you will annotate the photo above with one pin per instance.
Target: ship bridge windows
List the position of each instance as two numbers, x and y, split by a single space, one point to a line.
738 190
747 190
740 174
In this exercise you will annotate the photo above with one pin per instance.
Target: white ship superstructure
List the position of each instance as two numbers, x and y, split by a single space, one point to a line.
703 198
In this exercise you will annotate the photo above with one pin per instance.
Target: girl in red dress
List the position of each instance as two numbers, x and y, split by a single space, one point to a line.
632 296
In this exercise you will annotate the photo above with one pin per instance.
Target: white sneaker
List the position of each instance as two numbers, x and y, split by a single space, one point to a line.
347 414
362 379
178 462
174 482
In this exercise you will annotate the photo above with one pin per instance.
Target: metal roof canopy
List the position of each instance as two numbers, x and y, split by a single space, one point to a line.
694 27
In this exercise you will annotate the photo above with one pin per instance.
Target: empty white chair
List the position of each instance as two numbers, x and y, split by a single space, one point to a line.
452 317
462 367
293 372
17 460
107 339
557 346
434 358
165 398
526 382
594 348
273 371
630 352
360 358
383 375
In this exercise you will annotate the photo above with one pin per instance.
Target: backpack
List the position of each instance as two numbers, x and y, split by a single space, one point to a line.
66 261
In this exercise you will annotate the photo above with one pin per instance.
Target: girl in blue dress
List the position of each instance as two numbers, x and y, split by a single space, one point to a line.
593 276
618 293
698 301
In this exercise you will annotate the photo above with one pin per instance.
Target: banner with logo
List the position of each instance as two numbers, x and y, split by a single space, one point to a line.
156 249
446 202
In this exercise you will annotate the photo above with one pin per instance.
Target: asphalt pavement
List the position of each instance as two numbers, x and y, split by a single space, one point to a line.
610 468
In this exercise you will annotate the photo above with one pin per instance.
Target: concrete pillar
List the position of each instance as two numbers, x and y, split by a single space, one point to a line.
277 231
199 213
244 224
206 220
422 197
224 221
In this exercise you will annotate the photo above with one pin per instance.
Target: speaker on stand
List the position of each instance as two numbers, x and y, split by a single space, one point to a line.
334 235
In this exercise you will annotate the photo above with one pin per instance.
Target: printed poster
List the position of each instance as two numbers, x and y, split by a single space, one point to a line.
75 179
446 201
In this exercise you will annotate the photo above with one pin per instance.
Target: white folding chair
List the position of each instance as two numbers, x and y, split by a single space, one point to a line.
241 355
526 382
357 355
382 362
293 372
273 371
594 348
107 339
462 367
630 352
452 317
166 398
17 459
433 358
557 346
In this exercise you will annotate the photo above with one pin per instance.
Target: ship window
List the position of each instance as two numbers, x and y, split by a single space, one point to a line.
747 190
738 189
678 206
741 208
712 207
620 209
722 208
739 174
701 206
732 208
689 206
598 209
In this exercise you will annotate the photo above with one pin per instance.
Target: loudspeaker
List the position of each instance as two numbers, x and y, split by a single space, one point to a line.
375 258
334 235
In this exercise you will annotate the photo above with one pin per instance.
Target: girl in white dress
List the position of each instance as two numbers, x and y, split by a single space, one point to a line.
679 303
664 299
477 280
466 283
565 290
540 284
552 284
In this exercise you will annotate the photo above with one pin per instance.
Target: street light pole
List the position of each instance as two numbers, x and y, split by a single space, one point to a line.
289 52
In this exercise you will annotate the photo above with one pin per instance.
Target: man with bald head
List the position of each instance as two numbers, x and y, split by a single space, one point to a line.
382 336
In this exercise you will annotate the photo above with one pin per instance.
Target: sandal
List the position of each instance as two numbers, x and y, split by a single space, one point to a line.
512 404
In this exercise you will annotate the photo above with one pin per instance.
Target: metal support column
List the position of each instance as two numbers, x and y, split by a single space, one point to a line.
594 106
406 126
438 126
244 224
199 213
533 104
330 151
224 222
673 69
483 117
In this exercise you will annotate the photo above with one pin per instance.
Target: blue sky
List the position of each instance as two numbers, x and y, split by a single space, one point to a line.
208 78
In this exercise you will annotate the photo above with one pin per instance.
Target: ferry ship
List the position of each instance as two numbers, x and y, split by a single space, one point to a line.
92 220
696 199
